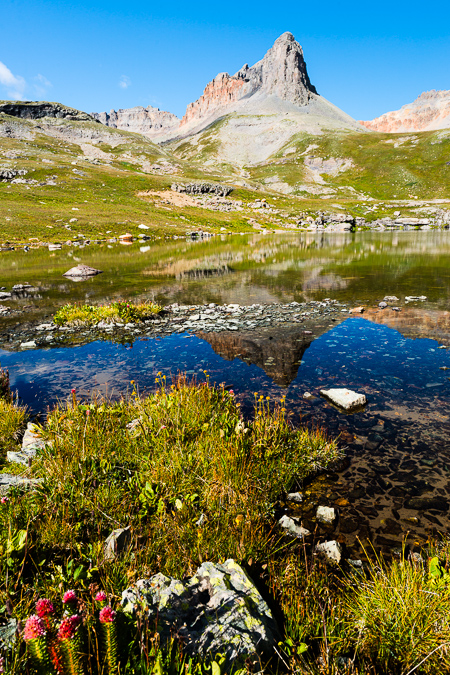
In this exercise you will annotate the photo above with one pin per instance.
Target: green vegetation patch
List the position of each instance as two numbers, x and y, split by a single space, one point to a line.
117 312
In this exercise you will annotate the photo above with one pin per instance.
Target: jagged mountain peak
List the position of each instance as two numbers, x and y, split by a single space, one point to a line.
281 72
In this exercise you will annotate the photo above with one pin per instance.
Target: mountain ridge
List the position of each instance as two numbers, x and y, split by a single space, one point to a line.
428 112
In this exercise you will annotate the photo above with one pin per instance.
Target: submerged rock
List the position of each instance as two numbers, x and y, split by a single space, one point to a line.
82 271
218 610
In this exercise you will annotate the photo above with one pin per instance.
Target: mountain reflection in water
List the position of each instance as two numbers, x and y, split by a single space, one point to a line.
396 478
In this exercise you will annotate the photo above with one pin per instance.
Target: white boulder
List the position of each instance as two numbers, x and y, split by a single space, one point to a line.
344 398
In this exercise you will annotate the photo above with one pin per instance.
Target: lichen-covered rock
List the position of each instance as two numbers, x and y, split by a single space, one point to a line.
218 610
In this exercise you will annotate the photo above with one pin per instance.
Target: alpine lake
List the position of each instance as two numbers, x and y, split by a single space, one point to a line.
394 482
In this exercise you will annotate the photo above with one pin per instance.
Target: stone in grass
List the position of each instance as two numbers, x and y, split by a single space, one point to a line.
9 480
8 634
326 515
117 541
82 271
331 550
291 526
344 398
31 443
295 497
218 610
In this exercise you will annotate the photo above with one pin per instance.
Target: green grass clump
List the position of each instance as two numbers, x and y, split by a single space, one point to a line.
116 312
13 417
398 618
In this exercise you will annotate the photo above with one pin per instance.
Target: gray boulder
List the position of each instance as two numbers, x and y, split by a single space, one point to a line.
218 610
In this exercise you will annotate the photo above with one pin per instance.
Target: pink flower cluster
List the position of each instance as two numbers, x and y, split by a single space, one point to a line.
68 627
34 628
70 597
107 615
44 608
100 597
4 500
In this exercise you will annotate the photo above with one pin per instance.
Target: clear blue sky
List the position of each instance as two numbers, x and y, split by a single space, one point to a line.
99 55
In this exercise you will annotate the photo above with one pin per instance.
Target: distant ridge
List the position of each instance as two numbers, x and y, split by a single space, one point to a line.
429 112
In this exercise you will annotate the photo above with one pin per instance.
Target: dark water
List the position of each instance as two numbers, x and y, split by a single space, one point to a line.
397 475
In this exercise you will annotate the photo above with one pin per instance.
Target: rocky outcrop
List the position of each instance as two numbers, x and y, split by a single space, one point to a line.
146 121
34 110
218 610
202 188
282 73
430 111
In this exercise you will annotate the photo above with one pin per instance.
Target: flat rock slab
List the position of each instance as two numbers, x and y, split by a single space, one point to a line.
344 398
82 271
218 610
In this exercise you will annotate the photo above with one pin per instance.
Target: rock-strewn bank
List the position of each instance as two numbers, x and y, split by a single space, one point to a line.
208 318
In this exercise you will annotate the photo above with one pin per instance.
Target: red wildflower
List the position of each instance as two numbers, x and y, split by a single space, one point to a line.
107 615
70 597
34 628
44 608
68 627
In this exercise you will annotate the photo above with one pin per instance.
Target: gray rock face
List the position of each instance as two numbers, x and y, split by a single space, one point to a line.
219 610
34 110
147 121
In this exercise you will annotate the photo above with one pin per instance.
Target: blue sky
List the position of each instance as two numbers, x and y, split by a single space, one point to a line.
100 55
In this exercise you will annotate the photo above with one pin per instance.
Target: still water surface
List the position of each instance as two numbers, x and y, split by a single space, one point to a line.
397 477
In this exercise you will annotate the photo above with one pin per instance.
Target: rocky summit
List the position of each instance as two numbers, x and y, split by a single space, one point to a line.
429 112
277 85
282 73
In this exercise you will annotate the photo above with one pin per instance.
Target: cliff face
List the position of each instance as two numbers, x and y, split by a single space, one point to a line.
429 112
282 73
147 121
34 110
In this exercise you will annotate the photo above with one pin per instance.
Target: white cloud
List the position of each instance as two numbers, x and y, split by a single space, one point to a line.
14 84
41 85
124 82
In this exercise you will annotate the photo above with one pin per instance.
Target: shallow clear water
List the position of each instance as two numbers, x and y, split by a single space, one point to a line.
397 477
